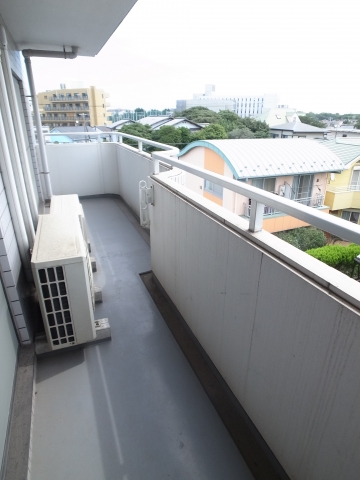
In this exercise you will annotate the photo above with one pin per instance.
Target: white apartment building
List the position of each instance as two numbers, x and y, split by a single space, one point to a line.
242 105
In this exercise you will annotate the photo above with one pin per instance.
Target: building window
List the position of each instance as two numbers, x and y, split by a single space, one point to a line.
45 96
267 184
213 188
355 180
352 217
302 188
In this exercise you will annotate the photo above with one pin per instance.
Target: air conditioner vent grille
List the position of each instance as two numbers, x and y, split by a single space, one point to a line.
56 304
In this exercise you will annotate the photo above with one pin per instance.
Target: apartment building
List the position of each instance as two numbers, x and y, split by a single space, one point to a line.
242 105
69 107
343 188
296 170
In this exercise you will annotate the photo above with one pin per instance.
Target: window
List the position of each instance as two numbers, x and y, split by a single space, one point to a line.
213 188
45 96
355 179
302 188
267 184
352 217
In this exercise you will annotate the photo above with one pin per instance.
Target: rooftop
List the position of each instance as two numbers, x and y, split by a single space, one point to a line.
252 158
298 127
343 148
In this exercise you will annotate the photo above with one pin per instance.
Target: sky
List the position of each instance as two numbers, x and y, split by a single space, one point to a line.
166 50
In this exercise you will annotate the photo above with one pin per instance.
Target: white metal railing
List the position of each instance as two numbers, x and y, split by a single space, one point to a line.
259 198
117 137
314 202
343 188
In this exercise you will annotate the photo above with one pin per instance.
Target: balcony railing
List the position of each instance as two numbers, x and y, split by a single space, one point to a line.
343 188
67 107
59 118
259 198
68 98
316 202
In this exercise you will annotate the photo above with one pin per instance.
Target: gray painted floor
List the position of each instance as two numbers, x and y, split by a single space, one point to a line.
130 408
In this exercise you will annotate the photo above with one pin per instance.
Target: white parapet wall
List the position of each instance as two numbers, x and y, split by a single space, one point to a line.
282 329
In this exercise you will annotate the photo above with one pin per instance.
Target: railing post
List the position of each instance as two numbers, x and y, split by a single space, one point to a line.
256 216
156 166
140 146
120 139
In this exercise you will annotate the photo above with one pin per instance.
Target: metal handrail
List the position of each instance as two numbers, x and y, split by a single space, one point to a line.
329 223
66 98
259 198
58 108
312 202
343 188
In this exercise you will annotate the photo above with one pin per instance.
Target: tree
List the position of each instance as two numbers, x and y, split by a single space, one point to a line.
199 115
310 120
185 137
241 133
212 132
167 134
357 124
304 238
138 130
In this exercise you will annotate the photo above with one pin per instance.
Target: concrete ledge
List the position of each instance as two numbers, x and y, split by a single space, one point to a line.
102 330
16 464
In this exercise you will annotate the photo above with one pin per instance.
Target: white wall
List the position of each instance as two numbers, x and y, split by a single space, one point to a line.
288 348
84 168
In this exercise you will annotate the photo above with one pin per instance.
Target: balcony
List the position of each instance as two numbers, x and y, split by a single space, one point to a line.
282 347
66 108
61 118
314 202
342 196
69 98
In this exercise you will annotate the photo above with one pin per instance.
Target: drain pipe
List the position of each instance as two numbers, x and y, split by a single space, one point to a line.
14 155
47 54
14 203
14 108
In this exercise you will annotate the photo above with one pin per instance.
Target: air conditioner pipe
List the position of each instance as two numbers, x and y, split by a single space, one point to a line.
51 53
23 167
14 155
47 54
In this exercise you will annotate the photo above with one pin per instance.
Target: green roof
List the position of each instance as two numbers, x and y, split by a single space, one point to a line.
347 152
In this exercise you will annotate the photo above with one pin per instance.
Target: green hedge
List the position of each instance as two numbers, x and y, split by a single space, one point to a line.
340 257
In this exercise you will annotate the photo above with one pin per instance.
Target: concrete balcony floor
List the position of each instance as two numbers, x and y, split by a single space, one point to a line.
131 408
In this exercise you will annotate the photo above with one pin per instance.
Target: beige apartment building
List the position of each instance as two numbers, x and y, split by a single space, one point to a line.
68 107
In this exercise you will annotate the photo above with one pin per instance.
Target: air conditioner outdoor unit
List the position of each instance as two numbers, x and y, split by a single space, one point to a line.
70 204
63 278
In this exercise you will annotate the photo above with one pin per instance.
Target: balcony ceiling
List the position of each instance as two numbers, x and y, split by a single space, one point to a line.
50 25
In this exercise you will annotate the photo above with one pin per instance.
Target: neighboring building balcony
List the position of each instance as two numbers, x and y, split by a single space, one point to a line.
314 202
342 196
67 107
61 118
68 98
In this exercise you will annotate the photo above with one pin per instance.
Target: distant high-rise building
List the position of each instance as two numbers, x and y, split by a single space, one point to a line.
242 105
68 107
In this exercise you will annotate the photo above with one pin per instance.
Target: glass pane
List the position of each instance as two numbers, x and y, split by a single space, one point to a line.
258 182
269 185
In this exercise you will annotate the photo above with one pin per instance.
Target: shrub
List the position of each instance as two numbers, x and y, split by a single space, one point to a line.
340 257
304 238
